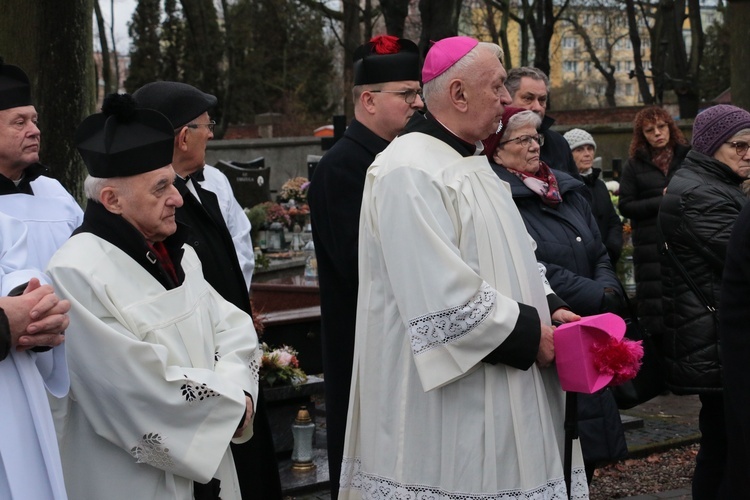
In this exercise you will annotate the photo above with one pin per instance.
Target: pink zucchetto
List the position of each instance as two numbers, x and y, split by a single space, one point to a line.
445 53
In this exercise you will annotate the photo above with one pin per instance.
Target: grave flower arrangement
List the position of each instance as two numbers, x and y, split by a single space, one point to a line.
280 366
294 189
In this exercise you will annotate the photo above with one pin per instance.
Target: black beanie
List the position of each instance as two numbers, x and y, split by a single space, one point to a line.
15 89
179 102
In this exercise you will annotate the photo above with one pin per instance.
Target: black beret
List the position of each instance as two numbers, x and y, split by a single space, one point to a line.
386 58
124 140
15 89
179 102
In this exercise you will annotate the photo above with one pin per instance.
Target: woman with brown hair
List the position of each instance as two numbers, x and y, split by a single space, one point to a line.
656 152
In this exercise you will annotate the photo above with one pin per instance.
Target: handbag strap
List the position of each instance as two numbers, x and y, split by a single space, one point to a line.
664 249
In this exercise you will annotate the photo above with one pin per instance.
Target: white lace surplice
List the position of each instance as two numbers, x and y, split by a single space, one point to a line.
444 261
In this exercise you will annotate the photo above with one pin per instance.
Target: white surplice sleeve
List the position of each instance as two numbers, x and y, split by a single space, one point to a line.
163 379
429 236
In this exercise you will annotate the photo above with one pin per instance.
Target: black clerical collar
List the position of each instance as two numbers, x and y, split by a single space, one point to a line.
197 176
113 228
30 174
428 124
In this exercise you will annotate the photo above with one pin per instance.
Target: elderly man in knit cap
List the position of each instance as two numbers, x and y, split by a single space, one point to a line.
219 232
453 392
164 371
696 217
26 192
583 147
386 95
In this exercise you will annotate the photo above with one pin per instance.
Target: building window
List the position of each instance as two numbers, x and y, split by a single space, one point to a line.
623 44
599 43
570 66
569 42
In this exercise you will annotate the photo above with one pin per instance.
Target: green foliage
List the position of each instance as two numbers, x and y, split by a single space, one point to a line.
265 56
283 62
173 37
715 70
145 52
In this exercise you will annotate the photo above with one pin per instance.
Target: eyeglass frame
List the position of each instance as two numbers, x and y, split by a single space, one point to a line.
521 139
210 125
736 146
404 94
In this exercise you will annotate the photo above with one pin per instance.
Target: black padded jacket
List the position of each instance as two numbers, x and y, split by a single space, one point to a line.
696 217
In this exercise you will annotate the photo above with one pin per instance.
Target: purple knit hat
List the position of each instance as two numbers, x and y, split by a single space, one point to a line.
715 125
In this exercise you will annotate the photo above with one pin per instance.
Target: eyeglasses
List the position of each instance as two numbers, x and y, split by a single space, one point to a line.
210 125
525 140
740 147
409 95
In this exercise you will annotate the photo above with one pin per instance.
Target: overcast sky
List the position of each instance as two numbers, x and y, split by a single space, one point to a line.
123 13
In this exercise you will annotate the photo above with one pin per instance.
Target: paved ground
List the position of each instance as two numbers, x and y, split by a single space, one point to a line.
667 422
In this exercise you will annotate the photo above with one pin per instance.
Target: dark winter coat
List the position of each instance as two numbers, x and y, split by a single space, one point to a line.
255 460
609 223
335 197
641 187
556 151
579 271
734 318
696 217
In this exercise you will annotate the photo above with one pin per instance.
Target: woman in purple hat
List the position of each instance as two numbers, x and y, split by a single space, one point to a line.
696 217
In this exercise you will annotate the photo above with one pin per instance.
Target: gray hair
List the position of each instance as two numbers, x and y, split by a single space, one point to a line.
744 131
513 83
439 84
520 120
93 186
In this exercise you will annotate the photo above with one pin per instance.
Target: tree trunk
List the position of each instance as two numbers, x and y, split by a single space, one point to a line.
739 16
635 40
205 46
352 40
106 68
116 59
59 61
394 14
439 20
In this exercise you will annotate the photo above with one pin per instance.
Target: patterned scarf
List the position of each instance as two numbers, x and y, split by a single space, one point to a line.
662 159
543 183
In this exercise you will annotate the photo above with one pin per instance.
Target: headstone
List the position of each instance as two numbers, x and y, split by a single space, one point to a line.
249 180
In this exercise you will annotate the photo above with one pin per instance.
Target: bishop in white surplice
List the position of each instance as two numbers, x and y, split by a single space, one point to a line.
447 401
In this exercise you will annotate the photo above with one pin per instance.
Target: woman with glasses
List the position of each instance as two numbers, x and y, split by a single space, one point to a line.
656 152
557 214
696 217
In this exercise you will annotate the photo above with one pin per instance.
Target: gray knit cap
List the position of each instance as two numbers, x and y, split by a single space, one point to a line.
715 125
577 137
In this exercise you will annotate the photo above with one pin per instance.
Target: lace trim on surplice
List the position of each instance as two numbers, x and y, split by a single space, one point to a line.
436 329
152 451
373 487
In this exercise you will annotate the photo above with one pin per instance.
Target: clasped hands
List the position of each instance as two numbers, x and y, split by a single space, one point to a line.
37 318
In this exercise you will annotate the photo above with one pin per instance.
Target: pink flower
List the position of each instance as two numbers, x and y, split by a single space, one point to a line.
284 358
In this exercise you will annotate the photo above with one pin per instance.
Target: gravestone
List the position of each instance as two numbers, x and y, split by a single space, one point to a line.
249 180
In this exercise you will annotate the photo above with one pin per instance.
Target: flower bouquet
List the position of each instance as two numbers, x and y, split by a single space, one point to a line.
280 366
294 189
